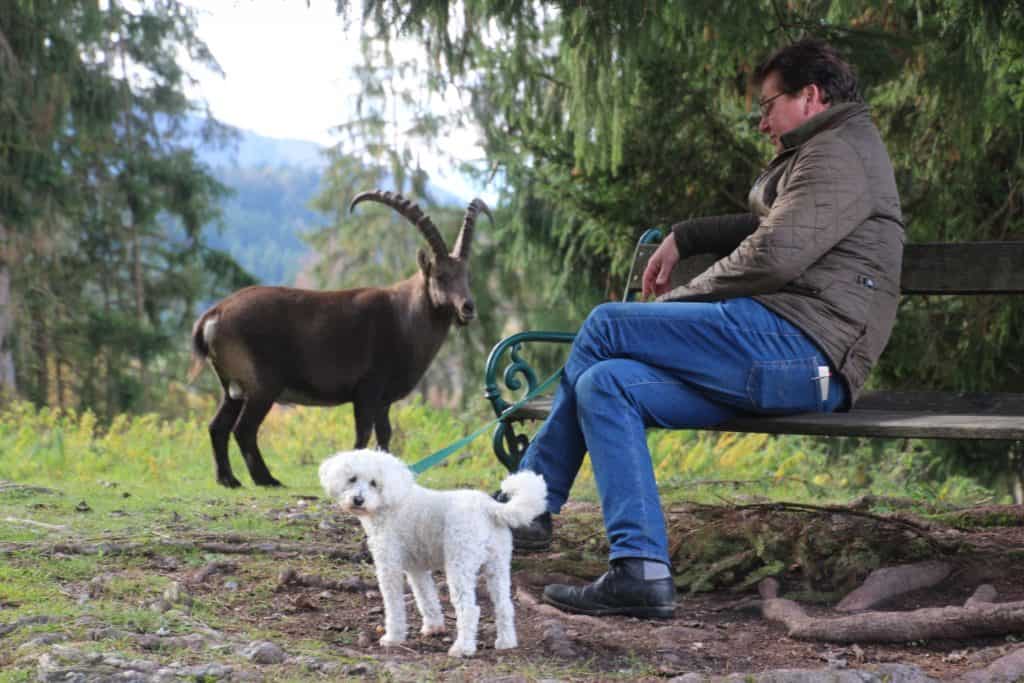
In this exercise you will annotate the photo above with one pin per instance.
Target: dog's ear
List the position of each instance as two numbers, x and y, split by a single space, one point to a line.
397 482
332 475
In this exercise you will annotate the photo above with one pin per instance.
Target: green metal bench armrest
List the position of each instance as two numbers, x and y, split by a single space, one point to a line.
650 236
509 446
517 366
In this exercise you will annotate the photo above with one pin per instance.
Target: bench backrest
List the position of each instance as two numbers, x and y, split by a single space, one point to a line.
928 268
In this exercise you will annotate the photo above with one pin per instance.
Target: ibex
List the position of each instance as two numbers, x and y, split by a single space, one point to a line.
368 346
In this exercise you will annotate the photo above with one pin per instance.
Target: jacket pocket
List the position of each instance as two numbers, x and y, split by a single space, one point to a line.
785 386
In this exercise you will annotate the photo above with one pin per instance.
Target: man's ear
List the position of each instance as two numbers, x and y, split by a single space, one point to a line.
424 261
815 95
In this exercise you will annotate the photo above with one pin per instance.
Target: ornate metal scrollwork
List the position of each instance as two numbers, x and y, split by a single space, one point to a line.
509 446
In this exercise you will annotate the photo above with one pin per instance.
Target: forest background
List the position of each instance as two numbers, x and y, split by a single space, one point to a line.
598 120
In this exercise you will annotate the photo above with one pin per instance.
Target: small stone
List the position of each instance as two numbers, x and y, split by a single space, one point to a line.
160 606
176 594
263 652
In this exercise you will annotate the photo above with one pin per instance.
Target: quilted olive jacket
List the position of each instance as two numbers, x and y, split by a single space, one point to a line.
822 246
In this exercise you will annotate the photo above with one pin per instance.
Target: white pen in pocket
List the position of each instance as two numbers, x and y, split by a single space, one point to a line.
822 378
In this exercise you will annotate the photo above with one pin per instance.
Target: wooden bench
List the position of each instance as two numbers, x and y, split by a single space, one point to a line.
963 268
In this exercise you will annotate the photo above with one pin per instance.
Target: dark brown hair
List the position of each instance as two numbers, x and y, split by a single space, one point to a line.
811 61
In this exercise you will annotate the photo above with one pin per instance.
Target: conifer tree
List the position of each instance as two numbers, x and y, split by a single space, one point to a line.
101 199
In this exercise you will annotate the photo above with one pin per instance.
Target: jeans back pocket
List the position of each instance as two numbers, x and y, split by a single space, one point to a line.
784 386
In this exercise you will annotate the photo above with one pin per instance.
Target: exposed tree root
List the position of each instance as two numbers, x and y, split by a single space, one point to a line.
211 568
916 526
888 582
24 621
978 617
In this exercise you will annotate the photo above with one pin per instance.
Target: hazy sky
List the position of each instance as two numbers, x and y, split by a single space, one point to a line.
287 73
286 65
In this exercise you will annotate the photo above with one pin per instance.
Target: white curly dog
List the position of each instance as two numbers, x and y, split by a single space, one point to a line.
413 530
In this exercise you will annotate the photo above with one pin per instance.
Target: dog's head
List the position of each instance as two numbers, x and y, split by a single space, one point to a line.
365 482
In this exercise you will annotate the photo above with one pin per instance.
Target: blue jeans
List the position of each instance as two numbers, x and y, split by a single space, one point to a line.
675 365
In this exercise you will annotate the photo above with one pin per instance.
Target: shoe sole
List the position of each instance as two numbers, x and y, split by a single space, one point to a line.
641 612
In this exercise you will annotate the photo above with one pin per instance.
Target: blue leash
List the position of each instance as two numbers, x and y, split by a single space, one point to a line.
435 458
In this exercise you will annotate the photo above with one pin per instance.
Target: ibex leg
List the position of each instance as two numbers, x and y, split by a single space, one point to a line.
382 426
246 428
220 434
365 408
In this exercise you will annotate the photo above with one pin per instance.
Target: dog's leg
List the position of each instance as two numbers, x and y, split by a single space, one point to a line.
499 586
391 581
425 592
462 575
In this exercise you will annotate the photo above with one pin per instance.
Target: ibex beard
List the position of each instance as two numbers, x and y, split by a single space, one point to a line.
412 531
368 346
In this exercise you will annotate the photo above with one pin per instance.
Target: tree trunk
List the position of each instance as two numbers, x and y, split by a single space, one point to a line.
139 293
8 385
1016 458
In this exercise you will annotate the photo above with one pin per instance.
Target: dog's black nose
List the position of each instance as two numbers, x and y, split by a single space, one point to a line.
357 501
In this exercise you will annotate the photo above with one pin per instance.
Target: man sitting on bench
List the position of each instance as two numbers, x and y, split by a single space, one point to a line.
790 319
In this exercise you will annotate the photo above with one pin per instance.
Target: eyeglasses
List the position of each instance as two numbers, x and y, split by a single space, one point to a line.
766 105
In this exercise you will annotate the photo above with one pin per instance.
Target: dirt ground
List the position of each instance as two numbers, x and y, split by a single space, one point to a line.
713 633
315 593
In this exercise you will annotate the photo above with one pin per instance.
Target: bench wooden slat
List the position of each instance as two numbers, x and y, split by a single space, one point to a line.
963 268
923 415
891 424
970 403
928 268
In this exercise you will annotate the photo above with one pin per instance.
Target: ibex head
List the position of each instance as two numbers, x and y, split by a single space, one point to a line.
446 275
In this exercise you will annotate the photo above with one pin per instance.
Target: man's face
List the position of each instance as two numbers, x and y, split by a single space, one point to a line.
781 112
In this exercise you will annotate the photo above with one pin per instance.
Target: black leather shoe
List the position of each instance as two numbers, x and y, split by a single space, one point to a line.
534 536
622 590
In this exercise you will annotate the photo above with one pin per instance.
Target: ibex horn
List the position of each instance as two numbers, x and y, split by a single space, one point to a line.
411 212
465 238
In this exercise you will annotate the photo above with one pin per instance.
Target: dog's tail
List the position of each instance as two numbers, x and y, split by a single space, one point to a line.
526 497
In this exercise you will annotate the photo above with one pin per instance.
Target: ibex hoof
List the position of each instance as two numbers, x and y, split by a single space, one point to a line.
229 481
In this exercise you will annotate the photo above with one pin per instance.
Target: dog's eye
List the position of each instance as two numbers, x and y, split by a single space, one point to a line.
373 483
352 480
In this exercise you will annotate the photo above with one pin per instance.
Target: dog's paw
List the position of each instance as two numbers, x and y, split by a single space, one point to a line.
505 642
390 641
434 630
461 650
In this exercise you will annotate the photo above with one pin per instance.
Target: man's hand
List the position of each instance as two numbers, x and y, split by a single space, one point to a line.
657 274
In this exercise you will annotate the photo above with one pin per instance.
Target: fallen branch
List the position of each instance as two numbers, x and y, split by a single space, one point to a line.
6 486
977 618
147 549
32 522
290 577
24 621
211 568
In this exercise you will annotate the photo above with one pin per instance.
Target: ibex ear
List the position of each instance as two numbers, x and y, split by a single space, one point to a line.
425 262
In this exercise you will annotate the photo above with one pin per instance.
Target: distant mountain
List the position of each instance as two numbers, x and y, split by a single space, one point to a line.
253 149
274 182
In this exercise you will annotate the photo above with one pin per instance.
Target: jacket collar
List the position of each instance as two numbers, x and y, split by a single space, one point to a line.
830 118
